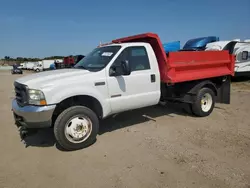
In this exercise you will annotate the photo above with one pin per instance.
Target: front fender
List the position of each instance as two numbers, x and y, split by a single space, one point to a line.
56 95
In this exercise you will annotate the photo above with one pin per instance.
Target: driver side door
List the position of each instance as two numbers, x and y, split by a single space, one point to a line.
136 90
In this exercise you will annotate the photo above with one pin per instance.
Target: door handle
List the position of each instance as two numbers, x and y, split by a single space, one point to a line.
152 76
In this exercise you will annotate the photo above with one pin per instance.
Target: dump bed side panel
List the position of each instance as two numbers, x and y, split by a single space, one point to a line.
187 66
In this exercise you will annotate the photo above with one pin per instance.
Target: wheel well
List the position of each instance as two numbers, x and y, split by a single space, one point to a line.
186 91
212 87
197 86
82 100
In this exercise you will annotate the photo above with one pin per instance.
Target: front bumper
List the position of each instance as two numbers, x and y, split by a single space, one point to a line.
33 116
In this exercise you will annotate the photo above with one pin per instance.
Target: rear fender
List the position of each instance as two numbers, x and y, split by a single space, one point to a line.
221 89
206 83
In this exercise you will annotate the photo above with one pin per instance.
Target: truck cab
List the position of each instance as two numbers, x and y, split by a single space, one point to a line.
38 67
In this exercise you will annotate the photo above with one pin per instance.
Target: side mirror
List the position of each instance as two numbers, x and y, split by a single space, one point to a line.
244 55
126 67
113 71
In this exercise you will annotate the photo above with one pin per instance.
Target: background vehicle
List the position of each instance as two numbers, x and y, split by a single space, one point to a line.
16 70
78 58
68 61
242 55
196 44
199 44
43 65
172 46
22 66
129 73
30 65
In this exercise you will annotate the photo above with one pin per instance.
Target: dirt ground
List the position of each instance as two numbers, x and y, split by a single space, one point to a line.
150 147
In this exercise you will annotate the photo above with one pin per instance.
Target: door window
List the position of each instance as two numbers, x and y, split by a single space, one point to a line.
137 57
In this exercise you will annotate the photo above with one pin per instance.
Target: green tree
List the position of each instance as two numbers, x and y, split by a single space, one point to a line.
7 57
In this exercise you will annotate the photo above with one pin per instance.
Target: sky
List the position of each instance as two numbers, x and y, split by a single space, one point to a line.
40 28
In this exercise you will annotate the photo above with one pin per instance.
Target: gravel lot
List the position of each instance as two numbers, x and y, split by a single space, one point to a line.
150 147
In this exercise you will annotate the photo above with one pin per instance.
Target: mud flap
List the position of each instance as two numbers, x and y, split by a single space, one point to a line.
224 91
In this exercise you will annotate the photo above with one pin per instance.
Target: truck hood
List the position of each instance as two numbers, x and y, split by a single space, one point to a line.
49 78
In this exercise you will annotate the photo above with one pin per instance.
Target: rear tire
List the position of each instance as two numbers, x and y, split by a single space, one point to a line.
76 128
204 103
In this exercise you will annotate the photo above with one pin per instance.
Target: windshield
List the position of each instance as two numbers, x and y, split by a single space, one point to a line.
98 58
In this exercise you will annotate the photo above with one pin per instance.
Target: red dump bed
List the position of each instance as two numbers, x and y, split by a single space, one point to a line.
186 65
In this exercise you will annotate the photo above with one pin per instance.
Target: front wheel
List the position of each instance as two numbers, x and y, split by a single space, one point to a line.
76 128
204 103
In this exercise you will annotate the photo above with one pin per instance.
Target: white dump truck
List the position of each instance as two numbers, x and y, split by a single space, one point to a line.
129 73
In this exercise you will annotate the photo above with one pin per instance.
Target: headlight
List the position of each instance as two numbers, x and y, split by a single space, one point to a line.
36 97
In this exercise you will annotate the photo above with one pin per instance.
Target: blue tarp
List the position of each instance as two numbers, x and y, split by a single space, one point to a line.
172 46
52 66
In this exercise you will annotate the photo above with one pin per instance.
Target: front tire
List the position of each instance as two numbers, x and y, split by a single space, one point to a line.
76 128
204 103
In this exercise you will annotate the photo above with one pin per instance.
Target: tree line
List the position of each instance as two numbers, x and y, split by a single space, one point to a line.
23 59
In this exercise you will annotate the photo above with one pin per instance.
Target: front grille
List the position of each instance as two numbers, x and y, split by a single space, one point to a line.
21 93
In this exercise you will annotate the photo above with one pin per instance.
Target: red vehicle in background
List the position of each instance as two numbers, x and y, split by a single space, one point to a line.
68 61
